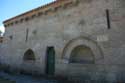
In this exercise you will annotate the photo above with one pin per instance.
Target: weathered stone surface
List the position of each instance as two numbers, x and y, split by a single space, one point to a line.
86 20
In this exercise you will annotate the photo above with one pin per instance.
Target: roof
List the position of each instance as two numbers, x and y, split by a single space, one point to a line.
37 12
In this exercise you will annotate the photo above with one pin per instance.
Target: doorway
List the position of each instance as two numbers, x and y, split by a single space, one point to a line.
50 61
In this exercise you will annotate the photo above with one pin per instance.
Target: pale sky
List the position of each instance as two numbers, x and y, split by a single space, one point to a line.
11 8
2 29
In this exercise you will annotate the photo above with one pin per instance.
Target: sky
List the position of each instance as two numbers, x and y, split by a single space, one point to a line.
11 8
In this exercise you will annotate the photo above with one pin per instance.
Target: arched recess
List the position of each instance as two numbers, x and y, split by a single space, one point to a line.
29 55
81 43
82 54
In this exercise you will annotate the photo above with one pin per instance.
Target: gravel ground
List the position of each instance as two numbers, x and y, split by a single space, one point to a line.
25 78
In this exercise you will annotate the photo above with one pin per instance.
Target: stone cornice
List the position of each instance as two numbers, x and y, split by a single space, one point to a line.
43 10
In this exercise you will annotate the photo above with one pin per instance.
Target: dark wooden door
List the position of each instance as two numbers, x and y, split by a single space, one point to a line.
50 61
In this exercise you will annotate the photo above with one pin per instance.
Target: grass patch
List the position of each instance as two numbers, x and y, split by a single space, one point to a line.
2 80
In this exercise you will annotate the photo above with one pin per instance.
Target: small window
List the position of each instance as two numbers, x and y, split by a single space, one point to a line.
8 24
5 25
46 12
21 20
12 23
57 8
11 37
34 32
33 16
16 22
1 39
29 55
40 13
27 18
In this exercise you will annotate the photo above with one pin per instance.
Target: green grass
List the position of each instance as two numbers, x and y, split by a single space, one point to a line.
2 80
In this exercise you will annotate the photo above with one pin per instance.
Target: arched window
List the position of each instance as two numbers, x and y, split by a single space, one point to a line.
82 54
29 55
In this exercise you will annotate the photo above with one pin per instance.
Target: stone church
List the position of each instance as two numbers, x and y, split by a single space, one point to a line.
77 38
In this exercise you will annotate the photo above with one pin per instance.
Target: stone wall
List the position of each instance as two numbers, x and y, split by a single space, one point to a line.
85 20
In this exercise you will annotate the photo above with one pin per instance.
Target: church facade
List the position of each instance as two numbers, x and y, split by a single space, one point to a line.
78 38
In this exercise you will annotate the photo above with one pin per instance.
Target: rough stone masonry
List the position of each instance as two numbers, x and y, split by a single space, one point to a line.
87 36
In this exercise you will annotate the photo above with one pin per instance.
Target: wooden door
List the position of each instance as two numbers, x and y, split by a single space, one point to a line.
50 61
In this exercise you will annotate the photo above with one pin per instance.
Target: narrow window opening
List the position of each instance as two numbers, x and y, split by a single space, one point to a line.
11 37
27 18
108 19
40 13
33 16
27 32
16 22
12 23
21 20
1 39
